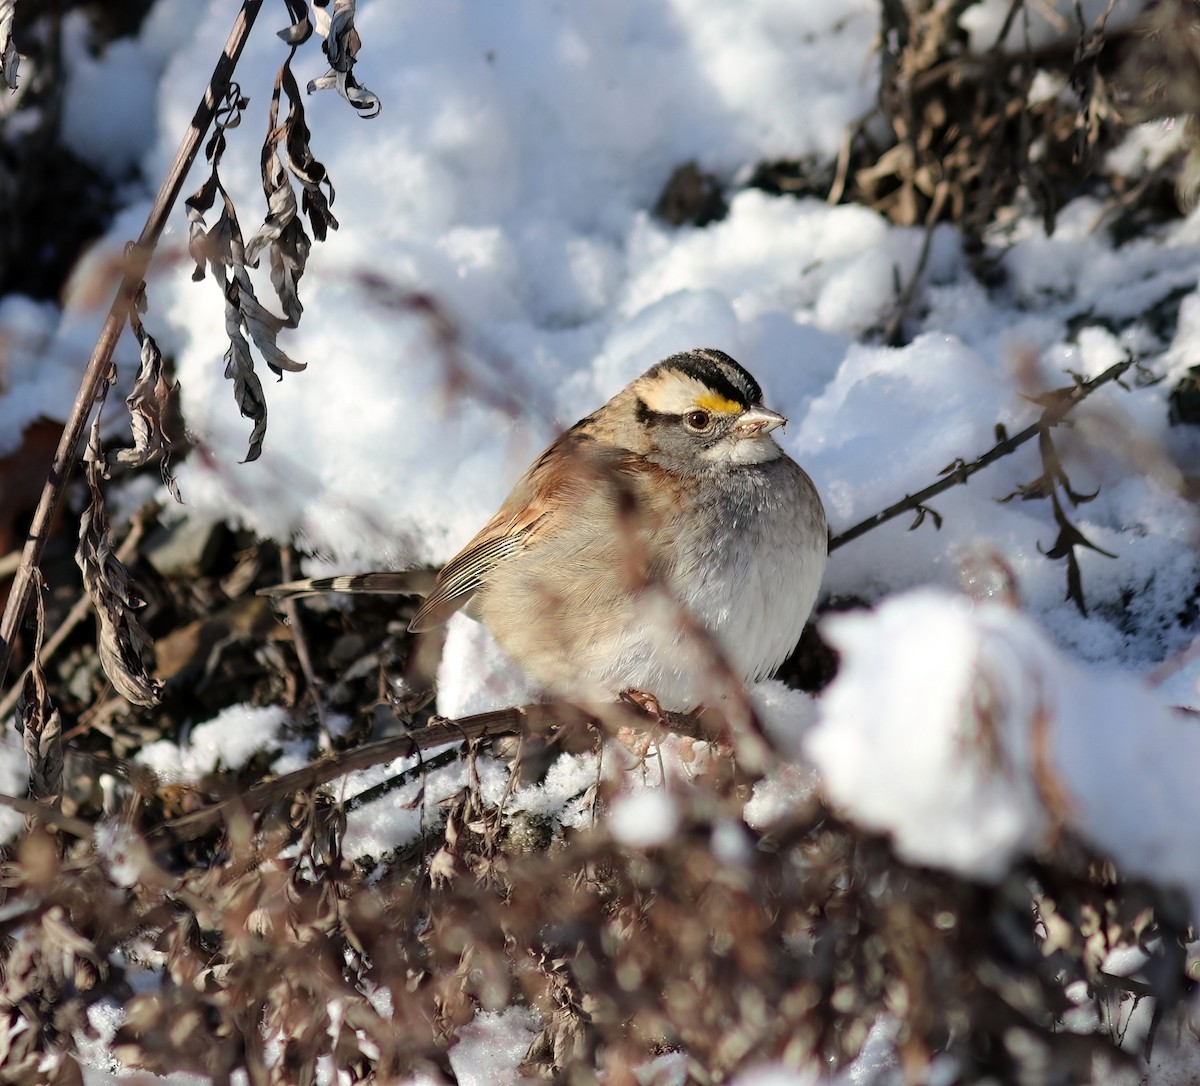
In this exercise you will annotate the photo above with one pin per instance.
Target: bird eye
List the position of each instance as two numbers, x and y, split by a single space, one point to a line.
697 420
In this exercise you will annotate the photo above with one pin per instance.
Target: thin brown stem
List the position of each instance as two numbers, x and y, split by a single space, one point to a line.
891 333
518 720
137 260
300 642
1050 417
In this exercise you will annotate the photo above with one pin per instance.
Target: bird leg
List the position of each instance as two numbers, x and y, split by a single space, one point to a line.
646 703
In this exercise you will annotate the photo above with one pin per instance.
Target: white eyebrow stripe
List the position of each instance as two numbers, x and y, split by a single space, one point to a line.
673 393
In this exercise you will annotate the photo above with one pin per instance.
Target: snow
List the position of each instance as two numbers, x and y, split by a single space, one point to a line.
14 778
474 675
230 739
510 177
491 1046
644 819
962 731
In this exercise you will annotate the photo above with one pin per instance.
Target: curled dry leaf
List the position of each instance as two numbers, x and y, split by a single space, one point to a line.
221 248
149 405
341 46
41 728
9 59
39 721
239 368
301 28
287 149
286 152
123 643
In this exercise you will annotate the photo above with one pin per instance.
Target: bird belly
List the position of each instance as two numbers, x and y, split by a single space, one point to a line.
719 604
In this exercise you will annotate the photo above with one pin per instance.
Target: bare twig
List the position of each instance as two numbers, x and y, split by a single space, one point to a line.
51 817
518 720
892 330
136 262
300 641
1051 416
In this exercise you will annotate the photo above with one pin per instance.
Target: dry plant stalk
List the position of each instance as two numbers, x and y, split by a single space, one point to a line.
286 153
100 364
1056 406
780 944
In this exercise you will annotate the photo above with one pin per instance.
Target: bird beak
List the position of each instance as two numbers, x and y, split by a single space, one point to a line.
755 421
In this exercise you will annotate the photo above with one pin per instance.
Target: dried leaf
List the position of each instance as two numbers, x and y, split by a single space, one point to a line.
39 721
221 249
263 326
123 643
301 28
341 47
924 511
9 59
1070 537
1027 492
149 404
287 149
221 245
239 368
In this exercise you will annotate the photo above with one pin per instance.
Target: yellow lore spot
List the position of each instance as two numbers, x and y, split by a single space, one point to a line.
718 404
673 393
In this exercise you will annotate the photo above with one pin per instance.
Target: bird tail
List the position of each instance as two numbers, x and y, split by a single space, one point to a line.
412 582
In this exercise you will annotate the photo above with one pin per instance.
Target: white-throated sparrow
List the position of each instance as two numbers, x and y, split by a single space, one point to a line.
659 539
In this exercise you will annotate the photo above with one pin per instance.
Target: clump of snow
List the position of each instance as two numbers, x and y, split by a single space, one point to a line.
647 818
109 116
783 791
565 782
492 1045
119 80
474 675
1180 687
230 739
786 714
921 730
14 779
960 730
28 387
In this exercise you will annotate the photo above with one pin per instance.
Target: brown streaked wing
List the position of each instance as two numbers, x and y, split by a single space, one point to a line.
460 578
546 489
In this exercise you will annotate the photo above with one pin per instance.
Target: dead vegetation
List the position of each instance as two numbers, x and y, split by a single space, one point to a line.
224 919
270 951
